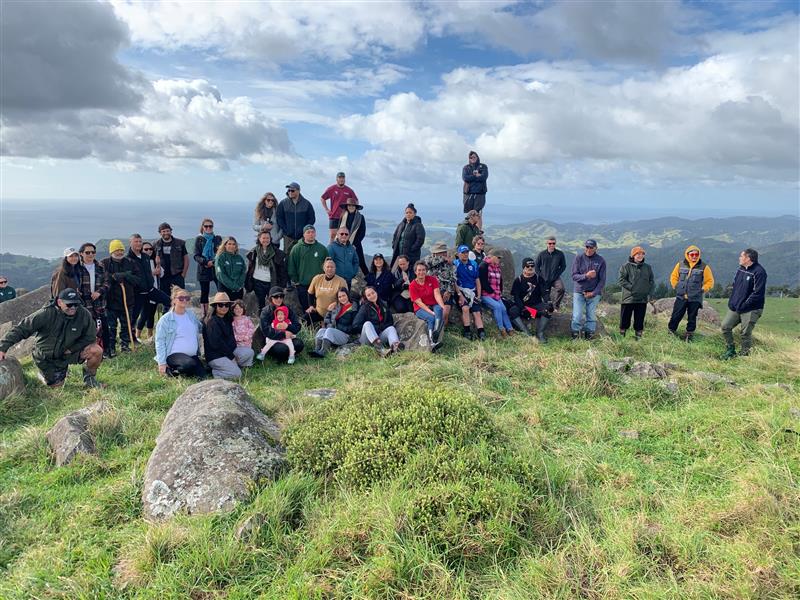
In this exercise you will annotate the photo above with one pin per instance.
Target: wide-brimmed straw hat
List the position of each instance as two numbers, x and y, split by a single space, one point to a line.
220 298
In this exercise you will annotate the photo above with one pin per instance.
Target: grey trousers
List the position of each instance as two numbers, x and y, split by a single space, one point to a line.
369 335
225 368
333 335
748 321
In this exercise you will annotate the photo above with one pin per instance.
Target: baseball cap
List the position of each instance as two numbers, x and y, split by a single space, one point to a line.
340 174
69 296
309 226
590 243
462 248
528 262
293 186
69 252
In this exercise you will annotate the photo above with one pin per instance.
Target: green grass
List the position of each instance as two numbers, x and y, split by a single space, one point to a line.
705 503
781 315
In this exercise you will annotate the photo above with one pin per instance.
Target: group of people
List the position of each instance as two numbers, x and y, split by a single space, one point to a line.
95 302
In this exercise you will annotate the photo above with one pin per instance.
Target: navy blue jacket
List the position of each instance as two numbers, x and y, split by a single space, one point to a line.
749 289
475 184
383 283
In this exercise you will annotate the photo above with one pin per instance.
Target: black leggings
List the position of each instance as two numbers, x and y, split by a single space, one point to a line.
638 310
361 262
261 290
205 288
237 295
183 364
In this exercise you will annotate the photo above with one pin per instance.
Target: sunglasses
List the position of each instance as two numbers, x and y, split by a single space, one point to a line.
207 226
72 305
278 296
183 298
223 305
344 235
90 251
551 243
147 249
527 266
3 282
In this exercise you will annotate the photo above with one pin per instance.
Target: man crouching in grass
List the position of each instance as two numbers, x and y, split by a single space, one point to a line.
66 335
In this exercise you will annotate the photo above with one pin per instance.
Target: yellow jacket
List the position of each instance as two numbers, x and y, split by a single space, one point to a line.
686 279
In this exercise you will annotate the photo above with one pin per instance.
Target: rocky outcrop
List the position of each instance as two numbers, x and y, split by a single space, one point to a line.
707 314
413 332
11 379
21 349
70 435
213 446
13 311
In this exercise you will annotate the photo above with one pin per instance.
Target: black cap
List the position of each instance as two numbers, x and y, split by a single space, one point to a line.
276 290
376 255
528 262
69 296
340 174
590 243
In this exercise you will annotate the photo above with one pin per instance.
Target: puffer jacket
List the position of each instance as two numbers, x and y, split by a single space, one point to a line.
293 217
408 239
55 332
636 280
345 321
691 279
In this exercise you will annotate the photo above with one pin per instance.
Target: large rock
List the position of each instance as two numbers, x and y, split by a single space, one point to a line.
213 446
707 314
13 311
11 379
21 349
507 266
560 326
413 332
70 435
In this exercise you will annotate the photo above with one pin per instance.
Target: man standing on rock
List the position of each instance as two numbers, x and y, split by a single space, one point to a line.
474 174
173 259
690 278
746 302
6 291
65 335
338 194
589 276
549 265
293 213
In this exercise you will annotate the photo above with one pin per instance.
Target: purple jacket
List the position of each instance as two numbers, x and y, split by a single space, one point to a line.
583 264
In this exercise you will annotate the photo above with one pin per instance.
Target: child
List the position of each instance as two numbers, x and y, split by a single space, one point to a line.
280 322
243 328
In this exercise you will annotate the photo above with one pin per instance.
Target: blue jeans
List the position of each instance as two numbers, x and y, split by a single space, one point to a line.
581 304
499 311
430 318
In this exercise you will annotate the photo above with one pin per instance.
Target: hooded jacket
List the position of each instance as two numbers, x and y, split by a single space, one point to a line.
465 232
408 239
345 257
691 279
55 332
475 184
636 281
293 217
268 315
749 287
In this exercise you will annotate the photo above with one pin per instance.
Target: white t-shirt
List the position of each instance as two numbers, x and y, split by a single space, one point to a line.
186 336
90 268
262 273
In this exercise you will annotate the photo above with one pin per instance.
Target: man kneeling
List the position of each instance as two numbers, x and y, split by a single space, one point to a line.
65 335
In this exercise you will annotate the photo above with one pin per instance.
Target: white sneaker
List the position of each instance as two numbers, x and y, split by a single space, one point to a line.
260 356
290 361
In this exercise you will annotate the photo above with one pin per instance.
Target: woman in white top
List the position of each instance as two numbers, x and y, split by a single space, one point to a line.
266 268
177 339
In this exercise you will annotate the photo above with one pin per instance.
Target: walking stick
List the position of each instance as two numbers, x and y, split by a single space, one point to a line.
127 315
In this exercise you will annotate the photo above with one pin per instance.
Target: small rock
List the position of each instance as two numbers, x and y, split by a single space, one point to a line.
795 412
346 350
11 379
647 370
620 366
714 378
630 434
778 386
322 393
70 435
671 387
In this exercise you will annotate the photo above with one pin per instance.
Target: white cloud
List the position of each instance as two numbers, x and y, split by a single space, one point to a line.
275 33
732 115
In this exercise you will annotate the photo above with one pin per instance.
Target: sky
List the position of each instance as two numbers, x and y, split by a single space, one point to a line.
666 107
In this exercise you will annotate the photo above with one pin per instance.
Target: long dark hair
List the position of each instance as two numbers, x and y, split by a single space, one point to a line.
372 268
64 277
261 210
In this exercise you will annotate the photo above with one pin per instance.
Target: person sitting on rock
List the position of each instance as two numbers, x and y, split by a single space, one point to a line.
428 303
376 324
6 291
323 291
468 229
243 328
491 276
381 278
338 325
177 338
401 298
691 279
637 283
280 352
441 267
65 334
527 291
468 292
280 324
478 252
223 355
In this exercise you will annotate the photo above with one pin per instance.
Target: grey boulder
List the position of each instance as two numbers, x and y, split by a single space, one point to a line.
70 435
213 446
413 332
11 379
707 314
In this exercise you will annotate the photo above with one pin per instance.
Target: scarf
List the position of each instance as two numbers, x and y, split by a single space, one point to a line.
344 308
264 256
208 247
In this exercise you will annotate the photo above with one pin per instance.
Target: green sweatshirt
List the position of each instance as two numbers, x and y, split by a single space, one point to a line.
305 261
230 270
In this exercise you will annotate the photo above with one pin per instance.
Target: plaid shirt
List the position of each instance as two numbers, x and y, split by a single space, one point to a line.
96 307
495 279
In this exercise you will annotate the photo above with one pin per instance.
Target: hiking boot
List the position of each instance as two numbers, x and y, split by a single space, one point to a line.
639 335
689 337
576 335
520 325
729 353
125 348
397 346
588 335
467 333
482 335
90 381
110 353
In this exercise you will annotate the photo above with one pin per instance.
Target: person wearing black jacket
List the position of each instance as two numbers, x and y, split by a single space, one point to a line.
353 220
205 251
746 303
266 267
408 237
279 352
146 294
375 322
401 298
549 265
381 278
527 293
121 273
338 324
223 356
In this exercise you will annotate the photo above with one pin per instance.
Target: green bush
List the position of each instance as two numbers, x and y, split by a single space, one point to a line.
367 435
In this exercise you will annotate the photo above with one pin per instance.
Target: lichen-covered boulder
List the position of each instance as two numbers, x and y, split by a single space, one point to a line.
213 446
13 311
413 332
707 314
20 349
11 379
70 435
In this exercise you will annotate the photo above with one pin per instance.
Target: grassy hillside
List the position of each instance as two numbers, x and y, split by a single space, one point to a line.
581 484
781 315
